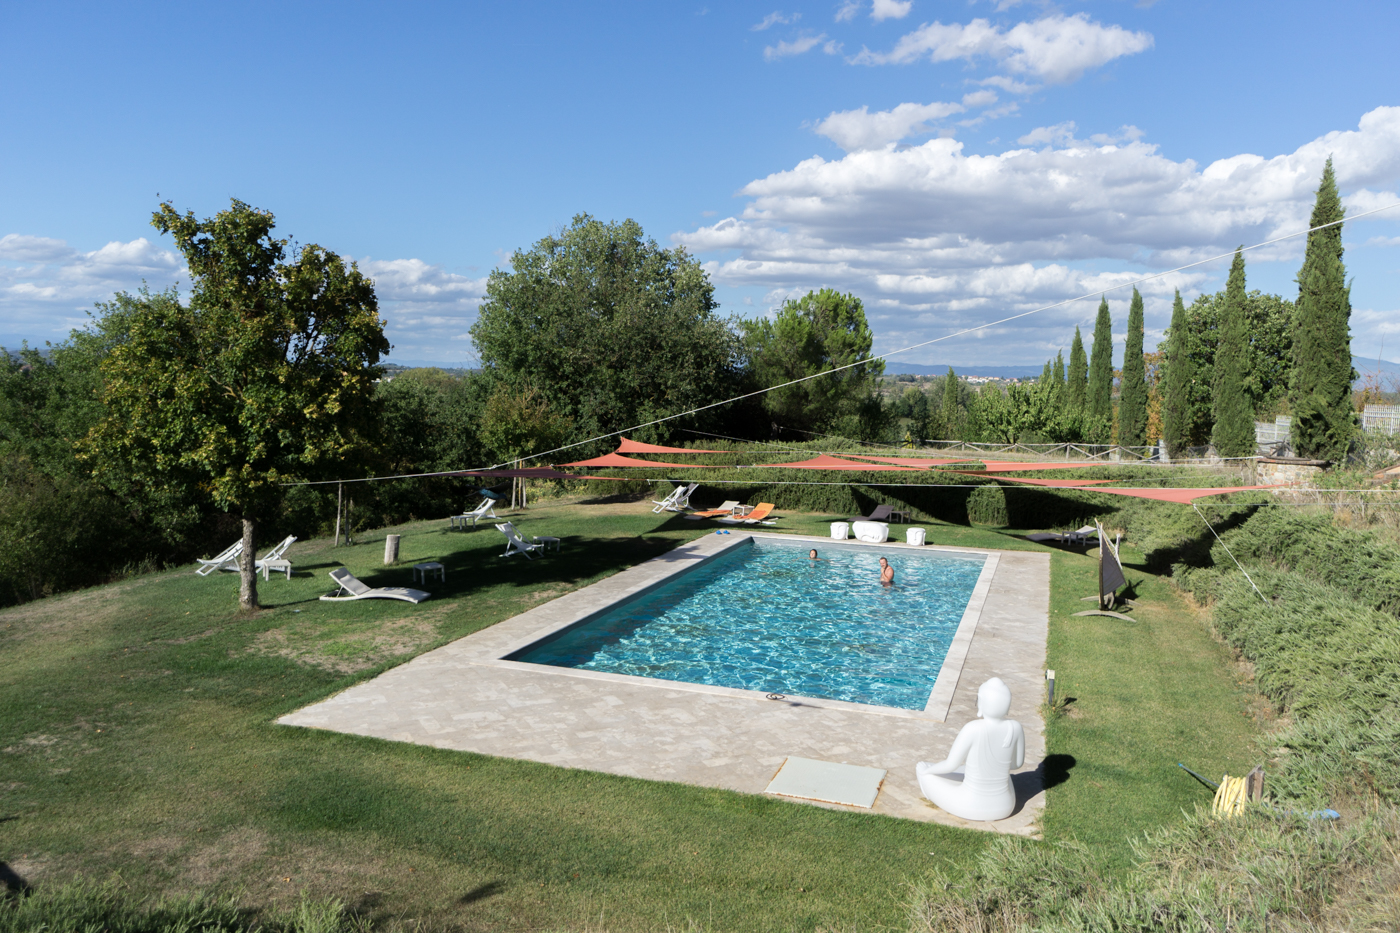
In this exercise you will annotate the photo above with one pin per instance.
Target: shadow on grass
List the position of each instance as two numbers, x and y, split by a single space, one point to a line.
13 883
481 892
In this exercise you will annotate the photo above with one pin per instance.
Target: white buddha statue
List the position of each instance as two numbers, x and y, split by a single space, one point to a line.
987 749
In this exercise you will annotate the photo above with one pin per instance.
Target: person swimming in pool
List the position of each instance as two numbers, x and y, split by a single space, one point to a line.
886 573
812 555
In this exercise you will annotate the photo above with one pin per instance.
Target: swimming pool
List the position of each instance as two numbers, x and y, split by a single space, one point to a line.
764 617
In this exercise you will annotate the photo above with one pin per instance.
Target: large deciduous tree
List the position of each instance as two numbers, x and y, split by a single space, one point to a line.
1132 401
611 329
1233 435
265 376
1320 392
818 333
1099 404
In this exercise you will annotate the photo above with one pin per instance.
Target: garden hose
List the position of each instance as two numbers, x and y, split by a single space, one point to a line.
1230 797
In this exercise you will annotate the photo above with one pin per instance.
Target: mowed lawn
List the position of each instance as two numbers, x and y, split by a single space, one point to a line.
137 738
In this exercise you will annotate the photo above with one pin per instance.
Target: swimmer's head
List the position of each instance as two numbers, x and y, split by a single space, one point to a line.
883 562
812 553
993 699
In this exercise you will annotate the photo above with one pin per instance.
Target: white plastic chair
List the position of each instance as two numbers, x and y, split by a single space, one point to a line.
484 510
516 544
227 560
677 501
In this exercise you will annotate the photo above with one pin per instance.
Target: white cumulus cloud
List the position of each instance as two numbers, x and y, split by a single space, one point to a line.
935 239
890 9
1055 48
855 130
798 46
848 10
776 18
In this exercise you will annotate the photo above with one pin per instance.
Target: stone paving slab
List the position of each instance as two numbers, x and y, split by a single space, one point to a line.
464 696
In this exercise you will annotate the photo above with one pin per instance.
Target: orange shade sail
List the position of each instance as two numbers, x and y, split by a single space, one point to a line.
909 461
617 460
1183 496
629 446
836 463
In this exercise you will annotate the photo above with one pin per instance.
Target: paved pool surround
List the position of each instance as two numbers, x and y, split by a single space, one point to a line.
466 696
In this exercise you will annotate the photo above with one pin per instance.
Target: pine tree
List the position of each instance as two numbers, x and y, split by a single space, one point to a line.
1132 403
1320 390
1099 413
948 414
1176 384
1076 386
1234 417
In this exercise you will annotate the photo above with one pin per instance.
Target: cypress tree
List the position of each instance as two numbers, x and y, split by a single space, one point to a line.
1077 384
949 412
1099 414
1058 374
1320 390
1234 416
1132 402
1176 384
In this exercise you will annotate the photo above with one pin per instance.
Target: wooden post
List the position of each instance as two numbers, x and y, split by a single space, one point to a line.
391 549
339 502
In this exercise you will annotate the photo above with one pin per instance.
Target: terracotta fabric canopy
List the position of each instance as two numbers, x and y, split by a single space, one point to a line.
1183 496
909 461
629 446
1011 466
1058 483
617 460
836 463
529 473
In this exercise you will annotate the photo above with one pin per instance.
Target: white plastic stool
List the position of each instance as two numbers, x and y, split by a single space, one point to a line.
915 536
427 567
839 530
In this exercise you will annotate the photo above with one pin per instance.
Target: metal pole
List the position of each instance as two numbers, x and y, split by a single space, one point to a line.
339 500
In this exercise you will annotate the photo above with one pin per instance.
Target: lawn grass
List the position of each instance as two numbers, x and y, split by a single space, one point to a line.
137 736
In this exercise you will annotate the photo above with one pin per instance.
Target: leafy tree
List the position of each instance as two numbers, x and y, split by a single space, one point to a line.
949 411
516 424
1233 435
1077 382
1099 404
1176 383
813 334
265 376
609 327
1132 404
1320 392
1057 373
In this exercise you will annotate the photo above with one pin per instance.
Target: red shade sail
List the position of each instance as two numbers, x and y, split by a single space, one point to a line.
528 473
1011 466
909 461
1183 496
836 463
1058 483
628 446
617 460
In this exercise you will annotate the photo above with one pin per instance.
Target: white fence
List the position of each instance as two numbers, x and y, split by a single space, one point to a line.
1382 418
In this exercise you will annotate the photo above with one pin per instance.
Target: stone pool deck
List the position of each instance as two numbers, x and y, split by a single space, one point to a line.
463 696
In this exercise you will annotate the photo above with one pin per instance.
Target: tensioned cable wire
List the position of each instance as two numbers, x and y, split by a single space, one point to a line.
1230 552
879 356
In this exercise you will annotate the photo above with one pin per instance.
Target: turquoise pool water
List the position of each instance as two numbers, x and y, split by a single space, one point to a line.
765 617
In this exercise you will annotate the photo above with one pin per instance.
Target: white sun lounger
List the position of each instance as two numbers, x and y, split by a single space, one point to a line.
677 501
484 510
518 545
228 560
355 589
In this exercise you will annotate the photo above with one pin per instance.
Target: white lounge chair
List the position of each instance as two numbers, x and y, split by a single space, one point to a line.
518 545
353 588
484 510
274 559
677 501
227 560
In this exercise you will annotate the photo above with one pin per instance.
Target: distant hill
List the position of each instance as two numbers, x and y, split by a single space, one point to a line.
896 368
1388 371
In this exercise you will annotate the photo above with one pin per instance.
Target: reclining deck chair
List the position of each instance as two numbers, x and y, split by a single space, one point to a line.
516 544
226 560
484 510
756 517
355 589
724 508
273 559
677 501
881 513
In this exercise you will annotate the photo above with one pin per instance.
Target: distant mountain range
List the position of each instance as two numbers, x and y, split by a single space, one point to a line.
1386 369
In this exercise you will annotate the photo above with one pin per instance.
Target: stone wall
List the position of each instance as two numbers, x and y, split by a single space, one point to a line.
1294 471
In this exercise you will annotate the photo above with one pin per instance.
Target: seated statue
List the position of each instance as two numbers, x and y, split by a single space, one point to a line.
989 749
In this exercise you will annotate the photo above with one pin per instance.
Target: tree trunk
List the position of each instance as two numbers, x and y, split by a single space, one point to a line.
247 569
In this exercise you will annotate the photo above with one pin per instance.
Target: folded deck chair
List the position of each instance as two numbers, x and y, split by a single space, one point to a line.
353 588
227 560
881 513
484 510
725 508
677 501
756 517
516 544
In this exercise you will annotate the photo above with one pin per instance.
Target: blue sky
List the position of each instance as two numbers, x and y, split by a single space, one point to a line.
950 163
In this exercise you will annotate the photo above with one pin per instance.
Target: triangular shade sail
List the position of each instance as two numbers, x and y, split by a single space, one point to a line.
529 473
629 446
836 463
909 461
1058 483
1183 496
1011 466
617 460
